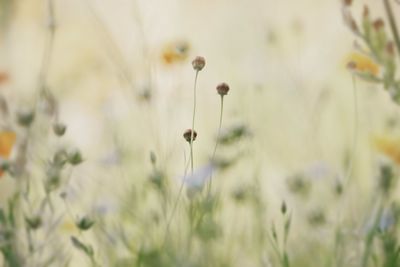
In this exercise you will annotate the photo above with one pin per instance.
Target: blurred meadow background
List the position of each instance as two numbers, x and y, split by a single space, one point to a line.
305 169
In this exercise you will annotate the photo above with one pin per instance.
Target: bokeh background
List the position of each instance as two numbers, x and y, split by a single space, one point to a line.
121 73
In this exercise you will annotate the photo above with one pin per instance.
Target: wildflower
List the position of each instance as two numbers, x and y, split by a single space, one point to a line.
7 141
222 89
389 146
363 64
188 135
198 63
175 52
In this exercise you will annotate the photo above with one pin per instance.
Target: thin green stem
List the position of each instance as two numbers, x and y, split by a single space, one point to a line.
194 115
370 237
355 132
392 23
216 142
176 202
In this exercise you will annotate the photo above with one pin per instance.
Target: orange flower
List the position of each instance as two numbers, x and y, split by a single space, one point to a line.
175 52
7 141
362 63
389 146
3 77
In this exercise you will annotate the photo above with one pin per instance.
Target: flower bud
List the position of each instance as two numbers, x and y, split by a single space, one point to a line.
222 89
198 63
59 128
75 157
283 208
85 223
25 117
188 135
34 222
390 48
378 24
347 2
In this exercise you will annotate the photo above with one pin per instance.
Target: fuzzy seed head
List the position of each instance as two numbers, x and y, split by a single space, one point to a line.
188 135
198 63
222 89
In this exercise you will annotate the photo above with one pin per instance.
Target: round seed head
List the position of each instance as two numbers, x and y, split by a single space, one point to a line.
198 63
222 89
188 135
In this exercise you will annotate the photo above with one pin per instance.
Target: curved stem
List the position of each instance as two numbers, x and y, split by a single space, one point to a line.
176 203
216 142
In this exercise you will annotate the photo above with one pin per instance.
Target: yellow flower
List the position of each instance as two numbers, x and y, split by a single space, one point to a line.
389 146
362 63
7 141
175 52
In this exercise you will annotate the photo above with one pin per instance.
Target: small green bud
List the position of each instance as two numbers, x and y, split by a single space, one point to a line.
75 157
59 128
4 165
60 157
25 117
283 207
85 223
153 158
34 222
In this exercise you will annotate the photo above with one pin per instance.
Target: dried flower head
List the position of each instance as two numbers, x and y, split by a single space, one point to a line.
378 24
222 89
347 2
365 11
198 63
188 135
390 48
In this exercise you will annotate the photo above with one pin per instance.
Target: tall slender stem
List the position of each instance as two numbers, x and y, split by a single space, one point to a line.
355 132
194 115
216 142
